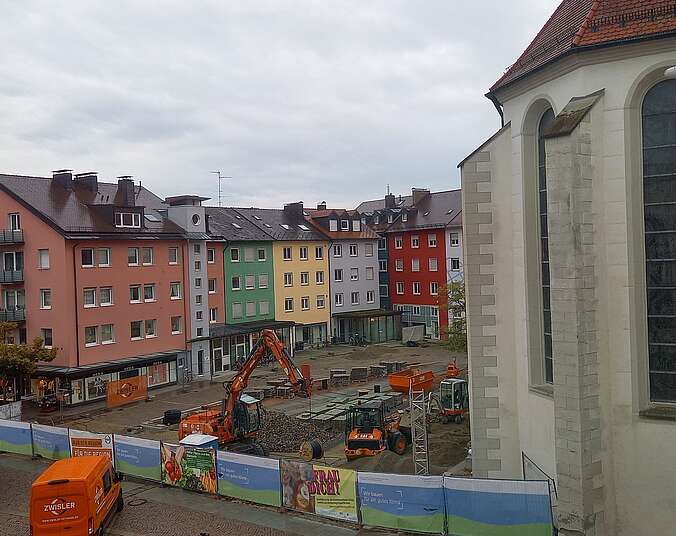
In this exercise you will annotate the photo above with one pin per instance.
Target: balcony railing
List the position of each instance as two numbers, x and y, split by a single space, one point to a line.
11 276
13 315
11 237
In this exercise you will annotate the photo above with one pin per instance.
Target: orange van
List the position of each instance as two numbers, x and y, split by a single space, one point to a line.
75 496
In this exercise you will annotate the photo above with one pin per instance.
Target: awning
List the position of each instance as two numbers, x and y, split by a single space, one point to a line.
369 313
229 330
72 373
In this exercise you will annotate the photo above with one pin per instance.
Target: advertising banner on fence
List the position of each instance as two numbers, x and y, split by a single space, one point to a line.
402 502
126 391
249 478
188 467
91 444
15 436
138 457
326 491
497 507
50 442
11 411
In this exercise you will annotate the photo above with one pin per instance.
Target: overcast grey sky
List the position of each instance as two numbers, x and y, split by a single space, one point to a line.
296 100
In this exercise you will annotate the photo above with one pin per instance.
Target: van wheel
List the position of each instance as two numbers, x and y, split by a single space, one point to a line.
120 503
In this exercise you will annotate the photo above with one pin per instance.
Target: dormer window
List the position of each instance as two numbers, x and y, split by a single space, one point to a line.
128 219
390 218
333 225
355 225
404 217
344 225
285 226
376 219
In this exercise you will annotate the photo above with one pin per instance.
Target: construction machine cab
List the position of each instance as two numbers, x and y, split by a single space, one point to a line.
364 418
454 394
247 416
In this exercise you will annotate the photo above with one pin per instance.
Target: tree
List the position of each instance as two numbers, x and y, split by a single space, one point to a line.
19 361
452 298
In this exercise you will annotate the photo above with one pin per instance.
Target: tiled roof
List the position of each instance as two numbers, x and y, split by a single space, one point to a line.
227 223
319 219
379 204
272 222
582 23
438 209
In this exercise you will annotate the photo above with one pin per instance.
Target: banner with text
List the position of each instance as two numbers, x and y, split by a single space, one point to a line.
326 491
404 502
16 437
90 444
189 467
497 507
50 442
138 457
249 478
121 392
11 411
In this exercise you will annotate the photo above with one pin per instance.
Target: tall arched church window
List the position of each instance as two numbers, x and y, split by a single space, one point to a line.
545 121
659 200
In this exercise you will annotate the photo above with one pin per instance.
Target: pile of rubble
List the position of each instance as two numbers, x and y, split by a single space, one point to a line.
281 433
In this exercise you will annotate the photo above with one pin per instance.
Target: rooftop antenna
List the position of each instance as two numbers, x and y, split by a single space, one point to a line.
220 179
388 189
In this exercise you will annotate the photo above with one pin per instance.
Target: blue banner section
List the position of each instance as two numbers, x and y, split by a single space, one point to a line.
138 457
15 436
404 502
248 478
50 442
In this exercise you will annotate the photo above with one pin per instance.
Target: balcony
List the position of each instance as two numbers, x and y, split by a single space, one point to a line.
11 276
15 314
11 237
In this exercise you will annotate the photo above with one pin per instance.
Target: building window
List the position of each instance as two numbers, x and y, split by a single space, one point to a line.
546 120
399 265
89 297
305 303
135 294
198 282
211 255
432 240
132 256
455 265
262 255
659 196
249 281
382 244
149 292
354 298
151 328
370 296
176 325
368 250
236 284
382 266
415 241
286 253
198 315
455 240
338 275
354 274
128 219
264 307
320 301
319 277
337 250
434 288
148 256
338 299
249 255
175 290
104 257
237 310
90 336
376 219
107 334
250 308
303 253
415 265
344 225
106 296
416 288
354 251
213 315
43 259
404 216
212 285
319 253
398 242
87 257
390 218
46 335
288 279
400 287
198 299
234 254
263 281
333 225
45 298
384 291
288 305
198 265
136 328
14 221
305 278
200 353
355 226
197 249
369 273
173 255
433 264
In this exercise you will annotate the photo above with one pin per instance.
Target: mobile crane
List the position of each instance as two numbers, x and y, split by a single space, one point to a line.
237 423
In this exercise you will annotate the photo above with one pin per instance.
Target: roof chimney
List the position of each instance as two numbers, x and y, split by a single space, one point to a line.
321 206
88 181
64 178
419 194
294 211
390 201
125 191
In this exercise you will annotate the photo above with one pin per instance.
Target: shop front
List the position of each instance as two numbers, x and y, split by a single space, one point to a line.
89 383
310 336
373 326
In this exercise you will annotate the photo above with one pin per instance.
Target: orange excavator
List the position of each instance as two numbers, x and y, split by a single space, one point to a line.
239 419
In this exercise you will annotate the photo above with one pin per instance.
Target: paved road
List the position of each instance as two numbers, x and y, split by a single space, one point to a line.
153 510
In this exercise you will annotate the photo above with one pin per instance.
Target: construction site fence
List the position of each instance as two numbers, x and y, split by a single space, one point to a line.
425 504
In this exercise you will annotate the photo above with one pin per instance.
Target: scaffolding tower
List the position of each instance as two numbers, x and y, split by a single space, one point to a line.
421 460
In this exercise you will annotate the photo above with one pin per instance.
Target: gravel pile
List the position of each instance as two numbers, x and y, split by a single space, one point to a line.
281 433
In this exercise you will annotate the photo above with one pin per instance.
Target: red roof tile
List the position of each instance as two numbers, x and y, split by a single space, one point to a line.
581 23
